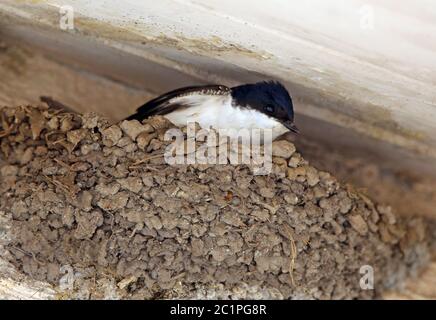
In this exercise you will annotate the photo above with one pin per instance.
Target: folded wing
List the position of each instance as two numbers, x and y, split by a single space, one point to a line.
177 100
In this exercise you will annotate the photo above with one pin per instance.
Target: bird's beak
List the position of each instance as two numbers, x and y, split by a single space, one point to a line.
291 126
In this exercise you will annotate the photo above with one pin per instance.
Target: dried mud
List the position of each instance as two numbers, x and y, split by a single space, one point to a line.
95 211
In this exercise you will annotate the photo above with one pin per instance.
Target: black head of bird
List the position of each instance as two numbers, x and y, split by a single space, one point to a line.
270 98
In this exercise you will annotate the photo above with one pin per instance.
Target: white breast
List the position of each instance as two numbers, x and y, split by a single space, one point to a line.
218 113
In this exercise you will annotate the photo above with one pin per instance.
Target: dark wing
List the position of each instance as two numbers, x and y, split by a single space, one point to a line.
171 101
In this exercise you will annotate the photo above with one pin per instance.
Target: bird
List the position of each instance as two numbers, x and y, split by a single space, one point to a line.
261 105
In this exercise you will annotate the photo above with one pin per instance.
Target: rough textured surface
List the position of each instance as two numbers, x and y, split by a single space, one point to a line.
101 215
409 193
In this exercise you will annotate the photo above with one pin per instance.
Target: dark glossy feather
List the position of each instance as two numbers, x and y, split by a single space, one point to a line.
168 103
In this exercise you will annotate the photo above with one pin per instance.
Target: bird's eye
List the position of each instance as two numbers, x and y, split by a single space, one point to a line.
269 108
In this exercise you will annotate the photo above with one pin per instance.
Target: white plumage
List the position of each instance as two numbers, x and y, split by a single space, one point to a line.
217 112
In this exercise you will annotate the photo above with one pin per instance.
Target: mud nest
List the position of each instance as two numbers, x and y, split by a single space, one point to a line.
95 211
